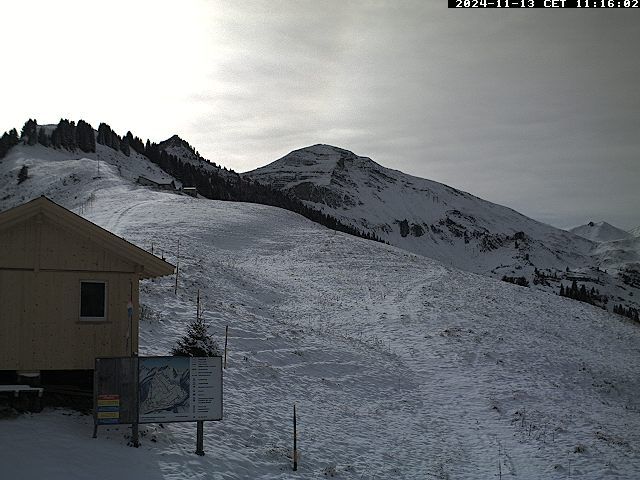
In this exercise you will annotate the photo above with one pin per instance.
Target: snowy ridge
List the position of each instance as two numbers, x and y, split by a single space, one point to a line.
400 366
420 215
179 148
455 227
600 232
619 254
51 173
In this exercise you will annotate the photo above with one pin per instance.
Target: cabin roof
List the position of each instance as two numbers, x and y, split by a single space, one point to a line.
155 181
151 265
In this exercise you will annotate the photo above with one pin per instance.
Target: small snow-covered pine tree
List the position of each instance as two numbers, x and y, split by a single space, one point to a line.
196 342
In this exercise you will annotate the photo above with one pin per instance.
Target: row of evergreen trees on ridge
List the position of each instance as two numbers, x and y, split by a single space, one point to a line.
66 135
629 312
209 183
7 141
581 294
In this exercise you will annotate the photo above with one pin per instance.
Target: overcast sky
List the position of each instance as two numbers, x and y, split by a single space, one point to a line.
538 110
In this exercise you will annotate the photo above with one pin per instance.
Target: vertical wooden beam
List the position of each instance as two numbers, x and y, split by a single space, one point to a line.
38 246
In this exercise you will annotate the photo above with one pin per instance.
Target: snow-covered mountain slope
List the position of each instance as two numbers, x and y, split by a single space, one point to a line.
600 232
635 232
53 173
181 149
400 366
420 215
443 223
619 254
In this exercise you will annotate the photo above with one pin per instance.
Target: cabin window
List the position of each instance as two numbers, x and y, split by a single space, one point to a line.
93 300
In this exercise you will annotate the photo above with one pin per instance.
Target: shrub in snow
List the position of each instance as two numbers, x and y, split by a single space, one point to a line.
23 174
196 342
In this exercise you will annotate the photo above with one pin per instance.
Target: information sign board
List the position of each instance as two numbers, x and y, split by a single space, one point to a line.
169 389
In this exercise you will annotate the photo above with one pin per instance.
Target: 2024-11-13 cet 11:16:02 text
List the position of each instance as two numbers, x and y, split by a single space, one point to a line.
544 3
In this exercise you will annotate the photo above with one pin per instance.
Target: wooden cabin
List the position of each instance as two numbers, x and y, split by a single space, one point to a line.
191 191
147 182
68 290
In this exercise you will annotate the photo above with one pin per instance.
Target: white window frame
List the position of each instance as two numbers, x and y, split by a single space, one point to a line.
106 301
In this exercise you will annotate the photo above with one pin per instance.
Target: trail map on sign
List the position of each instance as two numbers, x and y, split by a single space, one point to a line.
164 389
157 389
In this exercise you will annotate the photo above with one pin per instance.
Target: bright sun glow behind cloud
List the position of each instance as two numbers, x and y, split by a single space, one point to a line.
468 98
118 61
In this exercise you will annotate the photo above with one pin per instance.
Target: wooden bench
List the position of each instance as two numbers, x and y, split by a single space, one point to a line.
16 389
24 403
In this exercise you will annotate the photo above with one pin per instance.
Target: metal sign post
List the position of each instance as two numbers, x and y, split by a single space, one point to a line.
200 438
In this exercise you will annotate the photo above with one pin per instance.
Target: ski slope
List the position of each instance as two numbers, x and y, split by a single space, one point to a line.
400 367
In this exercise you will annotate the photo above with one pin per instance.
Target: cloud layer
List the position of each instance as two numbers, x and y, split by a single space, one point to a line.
534 109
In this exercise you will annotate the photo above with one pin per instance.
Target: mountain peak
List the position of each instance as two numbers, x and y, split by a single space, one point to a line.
319 159
323 149
600 232
175 141
179 147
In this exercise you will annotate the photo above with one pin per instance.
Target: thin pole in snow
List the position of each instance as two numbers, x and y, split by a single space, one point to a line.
226 337
175 290
198 306
295 440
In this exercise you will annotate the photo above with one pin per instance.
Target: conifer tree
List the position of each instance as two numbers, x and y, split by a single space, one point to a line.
7 141
30 132
196 342
85 137
43 138
23 174
124 147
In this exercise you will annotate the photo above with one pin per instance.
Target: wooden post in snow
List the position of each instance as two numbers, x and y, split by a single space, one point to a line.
226 337
200 438
295 440
175 290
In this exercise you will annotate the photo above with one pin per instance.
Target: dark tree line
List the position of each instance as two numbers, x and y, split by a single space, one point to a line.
209 183
111 139
521 281
541 278
581 294
628 312
65 135
7 141
134 142
235 188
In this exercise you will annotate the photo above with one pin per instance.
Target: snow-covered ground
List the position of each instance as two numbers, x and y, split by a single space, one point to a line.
400 367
